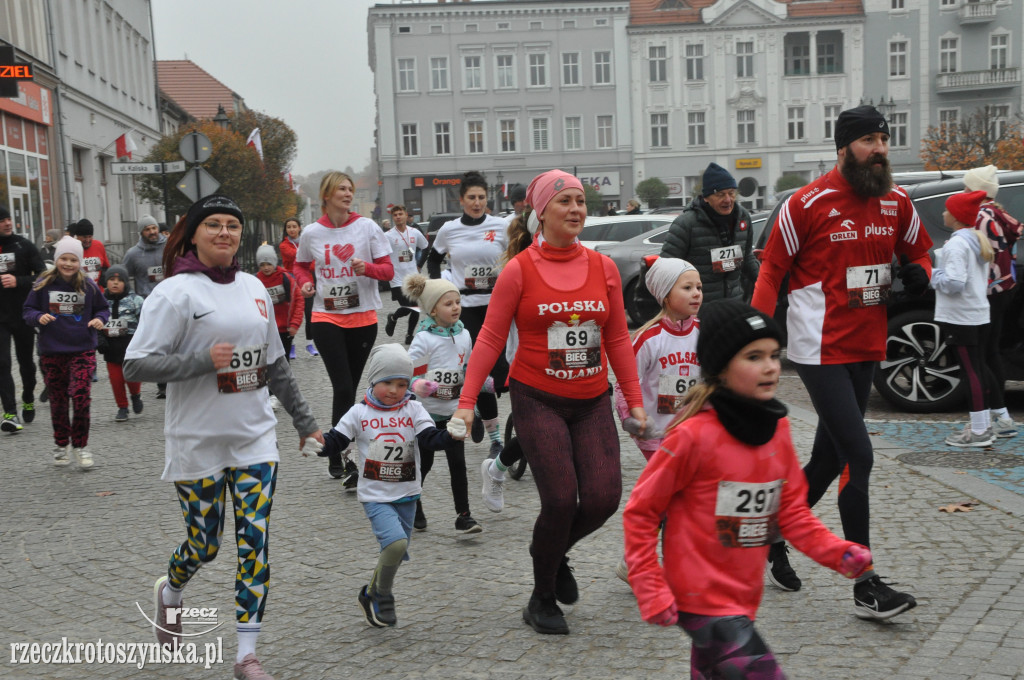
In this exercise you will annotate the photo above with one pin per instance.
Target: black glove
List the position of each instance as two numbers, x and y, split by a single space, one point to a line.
913 276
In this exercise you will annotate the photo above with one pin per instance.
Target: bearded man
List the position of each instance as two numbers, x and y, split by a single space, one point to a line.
836 238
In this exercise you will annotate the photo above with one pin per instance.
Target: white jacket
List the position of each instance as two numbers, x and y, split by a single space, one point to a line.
960 278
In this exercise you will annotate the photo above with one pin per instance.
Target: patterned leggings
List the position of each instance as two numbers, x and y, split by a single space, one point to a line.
202 504
64 372
728 648
574 455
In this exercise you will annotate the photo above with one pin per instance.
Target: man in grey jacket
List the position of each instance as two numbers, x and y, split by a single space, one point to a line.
144 260
715 236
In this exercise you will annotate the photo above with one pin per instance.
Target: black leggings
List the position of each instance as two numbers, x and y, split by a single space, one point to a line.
473 319
574 455
968 342
24 346
995 374
344 351
456 455
308 313
839 393
405 309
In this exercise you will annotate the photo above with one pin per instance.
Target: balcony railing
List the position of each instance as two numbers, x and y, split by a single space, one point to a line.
971 12
991 78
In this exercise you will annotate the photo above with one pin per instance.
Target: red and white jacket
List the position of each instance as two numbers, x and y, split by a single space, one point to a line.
289 305
837 248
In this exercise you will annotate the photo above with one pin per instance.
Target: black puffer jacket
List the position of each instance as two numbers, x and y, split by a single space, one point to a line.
692 237
22 260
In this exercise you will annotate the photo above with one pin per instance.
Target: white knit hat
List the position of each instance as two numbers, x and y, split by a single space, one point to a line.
663 274
388 362
982 179
266 253
426 292
69 245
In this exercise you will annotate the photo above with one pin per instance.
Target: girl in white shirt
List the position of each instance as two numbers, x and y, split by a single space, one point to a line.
960 279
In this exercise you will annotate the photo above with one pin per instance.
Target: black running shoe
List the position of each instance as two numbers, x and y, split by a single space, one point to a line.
374 609
566 590
545 616
873 599
137 405
336 466
420 522
28 412
350 478
477 430
465 524
779 573
389 327
44 395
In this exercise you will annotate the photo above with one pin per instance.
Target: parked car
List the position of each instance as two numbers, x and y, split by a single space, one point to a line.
920 373
617 228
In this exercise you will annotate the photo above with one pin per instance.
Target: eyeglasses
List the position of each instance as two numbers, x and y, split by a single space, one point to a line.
213 228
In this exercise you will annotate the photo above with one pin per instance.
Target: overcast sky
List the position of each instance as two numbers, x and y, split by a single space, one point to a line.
303 61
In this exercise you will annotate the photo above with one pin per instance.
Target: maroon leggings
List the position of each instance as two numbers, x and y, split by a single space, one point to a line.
64 373
574 455
117 384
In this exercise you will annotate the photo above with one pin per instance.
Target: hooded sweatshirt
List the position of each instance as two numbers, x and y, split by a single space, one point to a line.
144 262
960 280
69 332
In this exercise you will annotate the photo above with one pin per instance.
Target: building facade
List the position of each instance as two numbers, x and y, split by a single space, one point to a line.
939 62
509 88
94 82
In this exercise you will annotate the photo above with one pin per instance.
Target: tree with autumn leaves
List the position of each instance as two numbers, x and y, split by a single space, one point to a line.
975 140
258 186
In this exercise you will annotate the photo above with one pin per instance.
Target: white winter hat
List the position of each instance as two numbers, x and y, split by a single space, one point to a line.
663 274
69 245
982 179
266 253
426 292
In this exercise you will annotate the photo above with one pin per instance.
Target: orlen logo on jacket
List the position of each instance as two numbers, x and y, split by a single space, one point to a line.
849 235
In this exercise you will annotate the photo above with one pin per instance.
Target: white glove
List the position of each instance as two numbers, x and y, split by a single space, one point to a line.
311 445
457 428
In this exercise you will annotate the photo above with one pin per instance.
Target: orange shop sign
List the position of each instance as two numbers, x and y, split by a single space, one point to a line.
420 181
747 163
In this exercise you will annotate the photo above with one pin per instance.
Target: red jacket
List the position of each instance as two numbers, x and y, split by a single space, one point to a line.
725 502
288 250
289 305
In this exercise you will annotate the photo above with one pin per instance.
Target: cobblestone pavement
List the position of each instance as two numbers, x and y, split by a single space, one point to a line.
81 551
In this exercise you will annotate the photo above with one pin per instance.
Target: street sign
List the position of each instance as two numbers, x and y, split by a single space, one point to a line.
197 183
195 147
146 168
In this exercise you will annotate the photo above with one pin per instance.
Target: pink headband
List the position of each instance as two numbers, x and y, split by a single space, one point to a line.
545 185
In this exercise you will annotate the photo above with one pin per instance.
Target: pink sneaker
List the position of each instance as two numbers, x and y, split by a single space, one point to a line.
249 668
166 633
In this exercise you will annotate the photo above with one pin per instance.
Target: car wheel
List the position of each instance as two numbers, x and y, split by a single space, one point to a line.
640 305
920 373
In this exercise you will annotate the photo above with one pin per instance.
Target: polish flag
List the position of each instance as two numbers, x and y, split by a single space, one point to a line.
504 189
288 178
255 142
124 145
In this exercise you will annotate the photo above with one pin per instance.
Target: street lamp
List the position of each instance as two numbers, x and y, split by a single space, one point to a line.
886 108
221 119
498 192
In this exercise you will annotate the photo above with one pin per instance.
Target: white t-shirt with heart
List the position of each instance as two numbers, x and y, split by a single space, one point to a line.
331 249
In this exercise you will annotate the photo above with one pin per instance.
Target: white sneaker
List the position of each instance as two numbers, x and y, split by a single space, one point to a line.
83 457
1004 428
493 489
622 570
60 456
274 403
967 438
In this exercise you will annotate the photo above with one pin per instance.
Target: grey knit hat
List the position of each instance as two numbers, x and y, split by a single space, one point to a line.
266 253
388 362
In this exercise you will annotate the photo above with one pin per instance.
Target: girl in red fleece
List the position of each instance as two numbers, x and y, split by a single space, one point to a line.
285 295
727 481
566 301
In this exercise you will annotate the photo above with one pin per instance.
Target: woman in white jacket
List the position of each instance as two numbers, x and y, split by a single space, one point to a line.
961 305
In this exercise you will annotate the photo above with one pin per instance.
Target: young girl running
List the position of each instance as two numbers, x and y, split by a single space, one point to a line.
390 430
125 309
727 481
960 280
68 308
440 352
666 354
